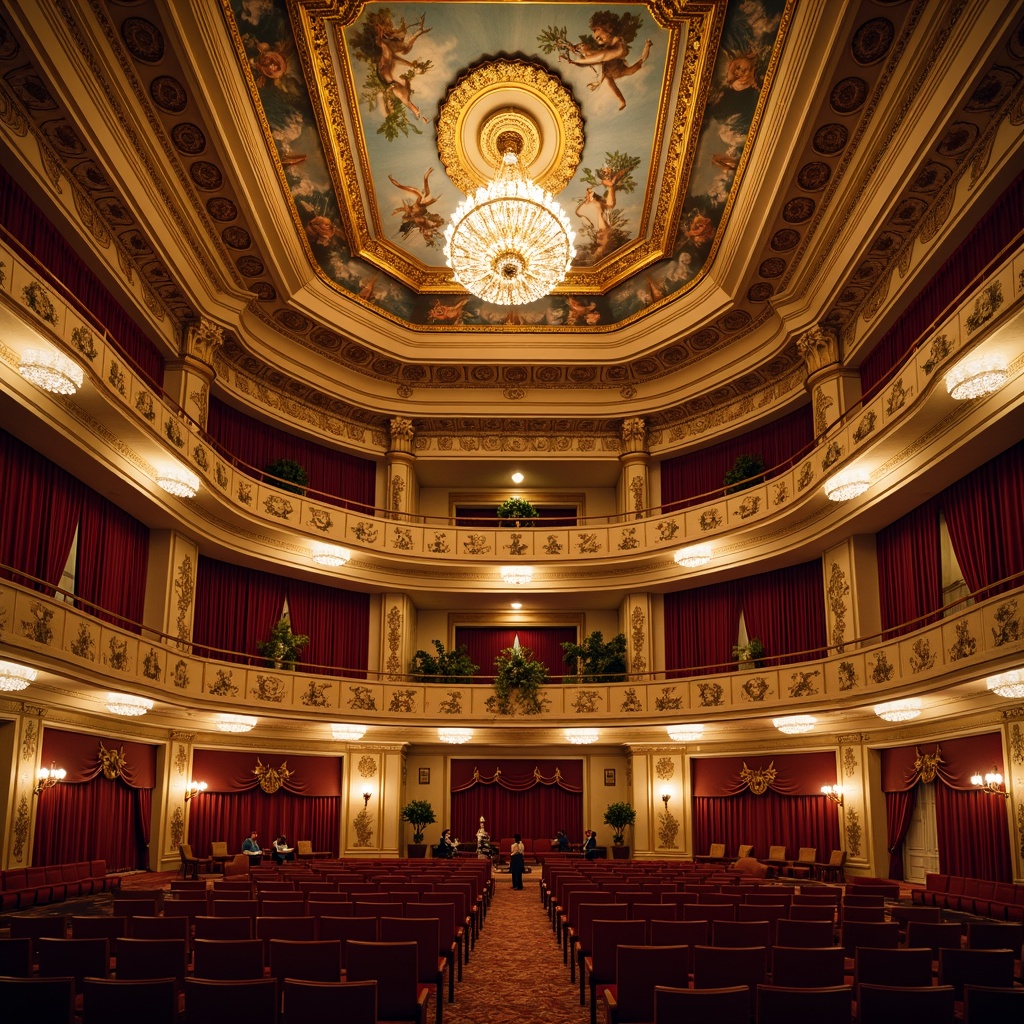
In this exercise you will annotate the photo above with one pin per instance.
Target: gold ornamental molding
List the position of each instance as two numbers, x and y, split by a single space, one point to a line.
505 96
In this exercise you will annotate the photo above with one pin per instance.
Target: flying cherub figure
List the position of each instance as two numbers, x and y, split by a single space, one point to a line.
415 216
608 48
393 41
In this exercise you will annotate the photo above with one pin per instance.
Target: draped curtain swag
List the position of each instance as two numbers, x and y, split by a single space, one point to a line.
516 775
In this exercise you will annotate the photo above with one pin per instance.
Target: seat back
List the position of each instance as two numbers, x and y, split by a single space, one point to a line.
777 1004
227 959
795 932
16 958
75 958
152 958
776 853
608 936
393 966
341 929
639 969
146 927
219 850
153 1000
208 927
425 932
354 1002
989 967
313 960
745 850
893 966
808 966
869 933
807 855
295 928
896 1004
984 1002
717 850
210 1001
722 966
304 848
934 935
742 933
993 935
591 912
38 999
729 1005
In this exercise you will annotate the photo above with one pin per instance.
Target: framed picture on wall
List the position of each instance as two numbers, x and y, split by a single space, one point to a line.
609 776
424 776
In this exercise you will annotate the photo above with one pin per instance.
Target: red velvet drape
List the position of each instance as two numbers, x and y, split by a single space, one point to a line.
899 812
485 643
701 626
26 222
910 570
109 540
701 472
41 509
257 444
337 623
983 514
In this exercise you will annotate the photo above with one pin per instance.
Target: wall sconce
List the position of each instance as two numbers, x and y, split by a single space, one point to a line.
194 789
366 798
991 782
47 778
666 796
834 793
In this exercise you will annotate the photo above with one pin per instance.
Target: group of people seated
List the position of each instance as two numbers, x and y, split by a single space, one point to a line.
280 851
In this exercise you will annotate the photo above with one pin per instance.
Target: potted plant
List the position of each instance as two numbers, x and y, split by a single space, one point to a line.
598 661
746 471
518 683
516 512
287 475
282 647
445 666
619 815
418 813
751 654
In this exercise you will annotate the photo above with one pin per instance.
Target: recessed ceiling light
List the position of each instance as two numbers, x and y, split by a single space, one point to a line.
516 605
517 478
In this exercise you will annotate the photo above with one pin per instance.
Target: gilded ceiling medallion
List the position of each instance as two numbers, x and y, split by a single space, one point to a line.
500 96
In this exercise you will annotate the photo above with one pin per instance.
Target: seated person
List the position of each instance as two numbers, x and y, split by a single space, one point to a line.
446 847
251 848
590 844
282 851
561 843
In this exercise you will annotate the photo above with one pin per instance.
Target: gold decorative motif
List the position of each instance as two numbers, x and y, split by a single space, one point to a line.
853 832
112 762
760 779
21 823
271 779
177 828
927 765
665 767
367 767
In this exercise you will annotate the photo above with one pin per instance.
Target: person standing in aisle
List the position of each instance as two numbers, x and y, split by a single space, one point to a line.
517 861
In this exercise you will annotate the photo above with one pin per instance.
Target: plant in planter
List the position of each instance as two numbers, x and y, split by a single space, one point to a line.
746 471
445 666
516 512
518 683
619 815
418 813
751 653
598 661
282 647
287 475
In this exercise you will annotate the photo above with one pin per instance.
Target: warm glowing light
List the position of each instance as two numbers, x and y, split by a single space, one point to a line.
990 782
15 677
180 482
128 705
509 242
517 478
976 376
51 371
1006 684
347 733
454 735
846 484
899 710
236 723
693 556
685 733
47 778
834 793
331 556
581 735
516 605
794 725
194 789
516 575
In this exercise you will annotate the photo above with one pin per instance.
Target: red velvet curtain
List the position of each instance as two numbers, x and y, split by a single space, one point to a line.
701 627
534 798
337 623
899 812
983 515
109 540
910 570
995 232
40 512
701 472
257 444
485 643
26 222
88 816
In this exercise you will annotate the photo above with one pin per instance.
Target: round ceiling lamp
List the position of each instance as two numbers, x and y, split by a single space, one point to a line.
236 723
51 370
581 736
127 705
177 480
795 725
905 710
15 677
847 484
516 575
454 735
685 733
976 376
331 556
1006 684
347 733
693 556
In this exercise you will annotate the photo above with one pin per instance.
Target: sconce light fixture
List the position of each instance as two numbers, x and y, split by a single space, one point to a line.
991 782
194 789
666 796
834 793
366 798
47 778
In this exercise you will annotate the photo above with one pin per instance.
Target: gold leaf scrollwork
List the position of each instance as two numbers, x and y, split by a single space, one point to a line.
760 779
927 765
271 779
111 761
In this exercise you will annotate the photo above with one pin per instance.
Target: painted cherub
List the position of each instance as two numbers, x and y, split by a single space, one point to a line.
392 42
607 48
415 216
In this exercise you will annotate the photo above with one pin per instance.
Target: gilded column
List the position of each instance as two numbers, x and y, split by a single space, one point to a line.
397 631
834 389
170 588
662 826
19 747
634 474
850 571
173 808
635 621
188 379
1013 759
401 470
372 800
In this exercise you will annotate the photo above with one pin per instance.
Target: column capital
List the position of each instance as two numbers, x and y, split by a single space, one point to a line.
402 434
203 340
818 347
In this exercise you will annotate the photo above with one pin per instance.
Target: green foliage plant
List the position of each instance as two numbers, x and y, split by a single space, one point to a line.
754 651
444 666
287 475
518 683
747 471
518 512
283 647
598 661
619 815
418 813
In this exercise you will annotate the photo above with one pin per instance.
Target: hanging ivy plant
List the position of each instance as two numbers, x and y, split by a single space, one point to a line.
516 512
746 471
287 475
518 683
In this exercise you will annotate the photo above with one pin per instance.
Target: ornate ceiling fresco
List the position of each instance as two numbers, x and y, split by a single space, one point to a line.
748 168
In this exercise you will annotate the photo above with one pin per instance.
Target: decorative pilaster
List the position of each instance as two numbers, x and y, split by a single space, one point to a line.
1013 760
662 826
170 589
851 591
402 492
634 478
188 379
397 630
373 799
833 388
635 618
855 814
20 809
174 809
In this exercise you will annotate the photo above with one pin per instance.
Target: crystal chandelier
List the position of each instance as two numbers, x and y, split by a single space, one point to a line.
693 556
236 723
794 725
454 735
899 710
1006 684
846 484
180 482
347 733
685 733
128 705
51 371
509 242
516 575
331 556
976 376
15 677
581 735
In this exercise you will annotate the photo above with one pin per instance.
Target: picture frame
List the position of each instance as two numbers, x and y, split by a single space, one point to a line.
424 776
609 776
